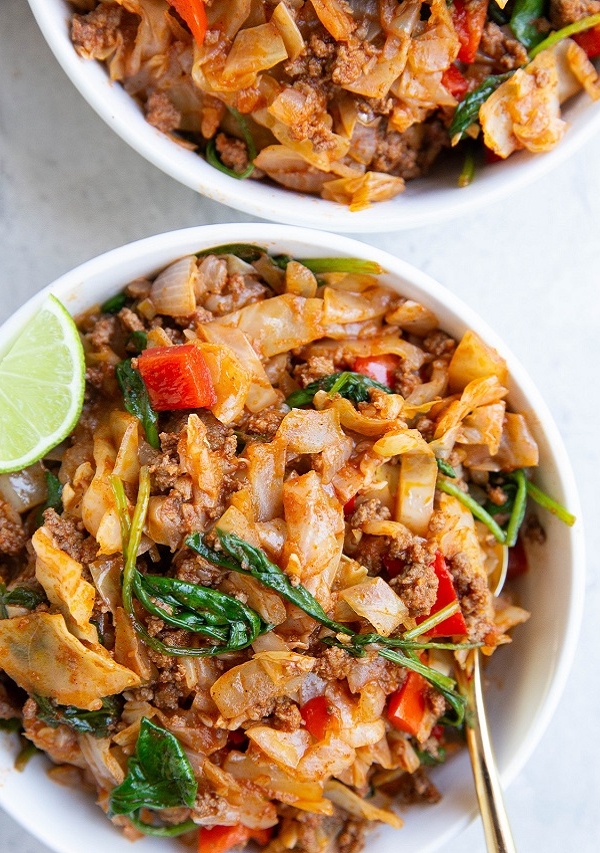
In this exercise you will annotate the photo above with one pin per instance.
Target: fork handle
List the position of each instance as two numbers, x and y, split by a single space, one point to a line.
496 827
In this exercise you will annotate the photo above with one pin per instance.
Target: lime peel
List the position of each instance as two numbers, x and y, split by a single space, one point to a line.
42 385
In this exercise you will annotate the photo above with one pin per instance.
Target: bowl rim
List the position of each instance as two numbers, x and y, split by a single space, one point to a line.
120 112
160 249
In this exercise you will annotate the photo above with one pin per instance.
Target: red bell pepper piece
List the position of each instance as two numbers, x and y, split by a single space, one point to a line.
193 13
220 839
316 716
469 17
176 378
393 566
381 368
407 706
350 506
446 594
455 82
517 560
589 40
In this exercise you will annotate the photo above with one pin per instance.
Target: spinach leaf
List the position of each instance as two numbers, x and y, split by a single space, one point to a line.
200 609
467 111
21 596
54 498
353 386
159 776
139 340
248 560
97 723
137 401
247 252
446 468
114 304
524 13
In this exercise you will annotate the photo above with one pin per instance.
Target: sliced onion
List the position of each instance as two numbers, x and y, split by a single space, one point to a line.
173 290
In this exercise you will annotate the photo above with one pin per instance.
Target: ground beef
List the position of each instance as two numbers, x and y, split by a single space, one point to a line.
161 113
409 154
61 743
97 34
439 344
130 321
564 12
232 152
370 552
506 51
474 597
316 367
333 663
12 535
352 837
413 788
352 59
265 423
70 536
195 569
103 332
370 510
417 586
286 715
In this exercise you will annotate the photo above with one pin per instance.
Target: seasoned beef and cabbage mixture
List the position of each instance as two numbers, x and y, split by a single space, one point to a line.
233 600
341 98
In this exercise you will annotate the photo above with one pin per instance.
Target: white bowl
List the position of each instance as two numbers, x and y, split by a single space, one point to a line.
526 678
431 200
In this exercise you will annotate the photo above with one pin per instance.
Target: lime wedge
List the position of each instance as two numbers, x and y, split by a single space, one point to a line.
42 382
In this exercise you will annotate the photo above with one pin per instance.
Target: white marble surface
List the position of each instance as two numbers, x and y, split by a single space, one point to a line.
70 189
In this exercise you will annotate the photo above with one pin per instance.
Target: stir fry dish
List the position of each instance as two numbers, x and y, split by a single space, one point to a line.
345 99
233 601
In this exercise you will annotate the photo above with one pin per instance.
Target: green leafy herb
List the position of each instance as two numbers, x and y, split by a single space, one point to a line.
97 723
21 596
565 32
477 510
180 604
553 506
54 497
26 753
247 252
139 340
248 560
114 304
522 21
159 776
212 155
137 401
497 15
242 557
446 468
518 510
467 111
13 724
318 266
428 759
201 610
353 386
467 173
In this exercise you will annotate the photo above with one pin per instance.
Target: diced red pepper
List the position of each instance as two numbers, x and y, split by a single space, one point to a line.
589 40
455 82
316 716
177 378
446 594
517 560
381 368
193 13
350 506
469 17
407 706
393 566
220 839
